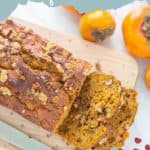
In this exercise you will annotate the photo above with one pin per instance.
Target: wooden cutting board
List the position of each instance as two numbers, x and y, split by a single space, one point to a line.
7 146
123 66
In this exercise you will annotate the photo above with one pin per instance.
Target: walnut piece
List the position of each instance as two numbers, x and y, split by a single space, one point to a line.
2 54
60 68
10 33
102 141
49 46
108 82
42 97
108 112
87 71
98 108
78 116
3 75
5 91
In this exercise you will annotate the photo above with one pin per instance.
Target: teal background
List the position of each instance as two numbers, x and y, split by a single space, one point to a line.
7 6
20 139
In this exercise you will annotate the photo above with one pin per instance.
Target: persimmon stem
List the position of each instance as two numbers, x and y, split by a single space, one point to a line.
146 26
101 35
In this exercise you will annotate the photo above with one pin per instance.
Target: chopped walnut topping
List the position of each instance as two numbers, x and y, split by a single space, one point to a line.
35 91
108 82
70 88
67 76
86 71
78 116
60 68
10 33
47 58
2 54
42 97
13 65
2 47
69 66
14 51
108 112
6 31
82 119
65 108
99 118
98 108
69 85
94 125
5 91
75 105
123 101
34 88
102 141
4 42
30 106
21 76
3 75
16 45
49 46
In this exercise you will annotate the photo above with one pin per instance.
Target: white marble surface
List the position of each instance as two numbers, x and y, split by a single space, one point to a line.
59 19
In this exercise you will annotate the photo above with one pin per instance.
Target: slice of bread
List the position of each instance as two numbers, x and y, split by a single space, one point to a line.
120 122
100 114
98 101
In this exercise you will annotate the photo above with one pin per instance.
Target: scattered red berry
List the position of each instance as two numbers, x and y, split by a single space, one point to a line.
147 147
137 140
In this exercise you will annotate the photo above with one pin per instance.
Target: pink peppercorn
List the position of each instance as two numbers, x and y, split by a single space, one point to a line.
137 140
147 147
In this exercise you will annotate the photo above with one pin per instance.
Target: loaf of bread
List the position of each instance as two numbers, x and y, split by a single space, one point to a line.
45 84
101 115
38 79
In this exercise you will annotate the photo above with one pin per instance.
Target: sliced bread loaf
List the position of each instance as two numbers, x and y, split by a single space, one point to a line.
100 115
98 101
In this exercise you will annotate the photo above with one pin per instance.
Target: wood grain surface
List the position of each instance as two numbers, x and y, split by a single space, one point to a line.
7 146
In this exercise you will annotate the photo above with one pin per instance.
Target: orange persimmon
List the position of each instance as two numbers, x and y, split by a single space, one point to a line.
136 32
97 25
71 9
147 76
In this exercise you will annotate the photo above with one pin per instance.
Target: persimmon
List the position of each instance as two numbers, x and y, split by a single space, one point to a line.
136 32
97 25
71 9
147 76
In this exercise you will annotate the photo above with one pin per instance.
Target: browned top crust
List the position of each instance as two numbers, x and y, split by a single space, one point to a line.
38 79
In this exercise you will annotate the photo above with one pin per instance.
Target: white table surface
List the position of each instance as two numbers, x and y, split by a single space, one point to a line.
59 19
